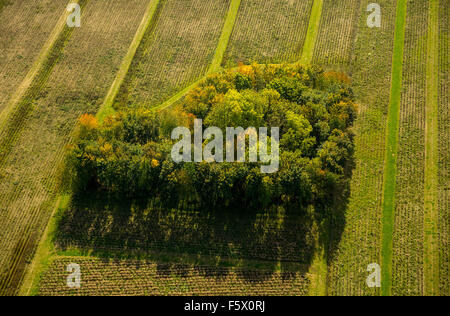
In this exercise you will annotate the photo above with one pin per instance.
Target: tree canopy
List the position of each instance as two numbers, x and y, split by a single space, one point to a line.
129 153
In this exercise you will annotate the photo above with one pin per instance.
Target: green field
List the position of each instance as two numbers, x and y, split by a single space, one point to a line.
136 54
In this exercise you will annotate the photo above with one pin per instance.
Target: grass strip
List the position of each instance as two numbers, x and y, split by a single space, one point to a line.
311 35
225 37
107 106
390 170
431 247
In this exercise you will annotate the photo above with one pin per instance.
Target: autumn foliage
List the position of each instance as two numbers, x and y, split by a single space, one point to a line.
129 153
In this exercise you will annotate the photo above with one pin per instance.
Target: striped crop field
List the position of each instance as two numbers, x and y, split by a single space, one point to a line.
30 167
360 243
130 277
24 28
444 150
337 32
269 31
408 235
359 204
176 50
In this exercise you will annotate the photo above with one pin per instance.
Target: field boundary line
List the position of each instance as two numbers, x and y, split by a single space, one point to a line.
34 70
225 36
106 107
431 247
313 30
392 135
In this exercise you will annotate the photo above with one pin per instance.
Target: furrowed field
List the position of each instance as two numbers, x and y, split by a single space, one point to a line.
444 150
83 66
395 211
336 33
24 27
176 51
119 277
269 31
409 213
371 70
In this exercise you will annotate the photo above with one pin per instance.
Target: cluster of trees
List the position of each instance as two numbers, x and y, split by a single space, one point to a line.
130 152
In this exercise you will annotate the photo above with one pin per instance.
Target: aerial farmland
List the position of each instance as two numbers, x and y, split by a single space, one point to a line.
224 148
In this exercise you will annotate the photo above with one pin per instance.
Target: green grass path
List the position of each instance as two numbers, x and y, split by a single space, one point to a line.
318 271
106 108
225 37
390 170
313 30
431 243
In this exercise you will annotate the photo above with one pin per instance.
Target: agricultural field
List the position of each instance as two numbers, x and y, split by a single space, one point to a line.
337 31
361 231
444 150
112 277
176 50
24 28
269 31
408 238
135 67
30 167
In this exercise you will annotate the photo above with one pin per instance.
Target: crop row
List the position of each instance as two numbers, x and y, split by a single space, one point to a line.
444 148
113 277
269 31
336 33
24 27
176 50
79 76
360 242
408 238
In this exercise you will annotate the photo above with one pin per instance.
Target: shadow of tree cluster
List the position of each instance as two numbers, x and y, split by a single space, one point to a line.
110 226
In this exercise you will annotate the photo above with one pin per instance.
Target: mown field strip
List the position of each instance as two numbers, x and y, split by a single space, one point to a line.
356 236
313 30
45 251
431 246
391 148
444 148
106 108
408 235
76 84
34 71
19 110
225 37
